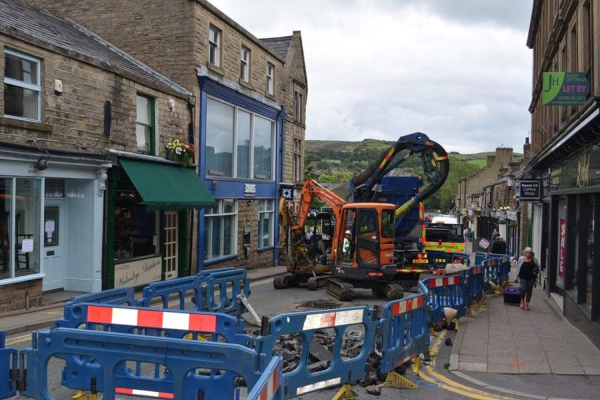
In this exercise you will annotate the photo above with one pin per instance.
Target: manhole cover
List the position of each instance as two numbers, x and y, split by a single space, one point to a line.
320 305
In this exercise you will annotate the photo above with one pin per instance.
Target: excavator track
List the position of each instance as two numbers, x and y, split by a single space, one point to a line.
340 290
314 283
285 281
392 291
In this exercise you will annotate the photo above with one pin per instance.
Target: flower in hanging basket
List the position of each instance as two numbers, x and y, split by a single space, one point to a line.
180 152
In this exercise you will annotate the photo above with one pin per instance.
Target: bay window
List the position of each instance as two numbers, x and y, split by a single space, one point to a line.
266 212
239 144
220 230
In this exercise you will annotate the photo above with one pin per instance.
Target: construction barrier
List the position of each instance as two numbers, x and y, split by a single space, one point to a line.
270 384
227 284
117 297
181 362
491 271
480 257
475 278
504 270
439 259
193 286
339 371
444 292
8 358
404 332
78 373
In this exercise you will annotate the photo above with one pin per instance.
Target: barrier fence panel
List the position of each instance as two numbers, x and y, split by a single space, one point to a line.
8 358
504 270
404 331
79 372
474 284
227 284
182 361
461 258
178 287
116 297
490 268
270 384
306 324
444 292
480 257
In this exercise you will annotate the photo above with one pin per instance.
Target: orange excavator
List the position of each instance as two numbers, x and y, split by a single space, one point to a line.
362 247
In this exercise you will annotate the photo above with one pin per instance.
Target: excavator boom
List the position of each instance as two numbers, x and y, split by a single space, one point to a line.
310 190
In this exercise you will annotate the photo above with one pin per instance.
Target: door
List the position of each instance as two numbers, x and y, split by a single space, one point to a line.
171 245
54 244
368 247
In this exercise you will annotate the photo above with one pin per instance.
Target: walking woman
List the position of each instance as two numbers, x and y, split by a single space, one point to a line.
528 268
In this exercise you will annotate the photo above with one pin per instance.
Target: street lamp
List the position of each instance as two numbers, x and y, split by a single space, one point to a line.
510 180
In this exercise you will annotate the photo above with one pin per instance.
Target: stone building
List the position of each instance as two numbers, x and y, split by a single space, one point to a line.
77 116
249 120
566 158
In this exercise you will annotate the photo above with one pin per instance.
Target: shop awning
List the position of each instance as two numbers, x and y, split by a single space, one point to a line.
167 187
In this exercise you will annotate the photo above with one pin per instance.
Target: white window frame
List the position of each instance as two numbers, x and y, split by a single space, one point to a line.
24 85
270 78
217 44
253 115
270 209
245 63
219 213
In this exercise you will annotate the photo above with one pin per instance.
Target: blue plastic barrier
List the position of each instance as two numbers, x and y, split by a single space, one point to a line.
444 292
116 297
180 287
270 384
461 258
480 257
234 279
491 271
475 277
404 331
504 270
181 360
79 372
301 380
8 359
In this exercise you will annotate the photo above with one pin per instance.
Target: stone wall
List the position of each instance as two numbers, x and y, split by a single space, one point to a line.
15 297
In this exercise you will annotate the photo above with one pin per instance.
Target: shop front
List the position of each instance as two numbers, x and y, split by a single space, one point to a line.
150 220
50 221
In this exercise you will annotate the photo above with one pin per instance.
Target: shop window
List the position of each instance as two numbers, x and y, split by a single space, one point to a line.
266 213
20 219
54 188
135 227
22 88
243 150
220 230
562 243
145 130
590 251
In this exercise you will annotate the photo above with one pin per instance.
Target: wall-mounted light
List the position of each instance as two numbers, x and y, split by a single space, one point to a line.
510 180
171 104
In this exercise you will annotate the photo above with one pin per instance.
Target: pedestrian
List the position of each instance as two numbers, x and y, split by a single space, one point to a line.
499 246
528 268
495 234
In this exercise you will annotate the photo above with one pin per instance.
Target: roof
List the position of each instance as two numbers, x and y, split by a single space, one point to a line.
25 22
279 45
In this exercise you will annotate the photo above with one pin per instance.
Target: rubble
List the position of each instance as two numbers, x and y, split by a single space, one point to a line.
374 390
319 305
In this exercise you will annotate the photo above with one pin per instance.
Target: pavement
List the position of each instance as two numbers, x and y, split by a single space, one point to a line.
503 338
42 317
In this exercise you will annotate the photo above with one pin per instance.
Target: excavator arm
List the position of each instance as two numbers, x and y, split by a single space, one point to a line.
310 190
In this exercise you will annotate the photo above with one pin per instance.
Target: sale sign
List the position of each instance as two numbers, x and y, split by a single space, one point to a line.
563 248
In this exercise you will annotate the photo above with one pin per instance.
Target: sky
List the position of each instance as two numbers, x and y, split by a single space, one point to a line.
456 70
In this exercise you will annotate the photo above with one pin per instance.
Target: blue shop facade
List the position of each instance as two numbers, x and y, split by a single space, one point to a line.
241 148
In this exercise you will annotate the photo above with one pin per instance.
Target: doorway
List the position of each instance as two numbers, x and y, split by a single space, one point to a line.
171 245
54 246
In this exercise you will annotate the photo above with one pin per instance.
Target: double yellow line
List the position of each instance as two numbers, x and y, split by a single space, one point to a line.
428 374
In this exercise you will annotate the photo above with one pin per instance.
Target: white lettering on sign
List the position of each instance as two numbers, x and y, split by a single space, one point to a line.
136 273
250 189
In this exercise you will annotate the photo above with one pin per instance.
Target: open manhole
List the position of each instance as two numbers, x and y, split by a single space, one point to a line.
319 305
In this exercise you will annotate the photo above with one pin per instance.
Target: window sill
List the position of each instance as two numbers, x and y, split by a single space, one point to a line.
215 69
220 259
265 249
11 281
245 84
29 125
270 96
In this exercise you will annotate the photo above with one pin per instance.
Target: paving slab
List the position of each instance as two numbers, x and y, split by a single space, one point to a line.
503 368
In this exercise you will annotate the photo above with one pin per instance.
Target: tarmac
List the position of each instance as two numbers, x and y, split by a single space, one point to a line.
42 317
503 338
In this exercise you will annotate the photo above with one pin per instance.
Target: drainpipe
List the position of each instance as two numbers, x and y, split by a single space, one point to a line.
192 110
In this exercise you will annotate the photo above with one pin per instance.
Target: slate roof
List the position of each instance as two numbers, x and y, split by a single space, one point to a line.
21 20
279 45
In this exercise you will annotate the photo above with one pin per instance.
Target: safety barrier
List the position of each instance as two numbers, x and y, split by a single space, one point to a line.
504 270
269 386
480 257
491 271
179 287
181 360
117 297
227 284
475 278
340 371
444 292
439 259
8 356
404 331
78 373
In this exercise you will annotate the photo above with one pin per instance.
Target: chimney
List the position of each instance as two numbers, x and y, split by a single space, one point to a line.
504 155
526 151
490 160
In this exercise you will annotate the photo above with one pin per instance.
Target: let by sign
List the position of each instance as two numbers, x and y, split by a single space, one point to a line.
565 88
529 190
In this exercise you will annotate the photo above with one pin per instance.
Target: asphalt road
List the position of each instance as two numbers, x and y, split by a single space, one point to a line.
433 383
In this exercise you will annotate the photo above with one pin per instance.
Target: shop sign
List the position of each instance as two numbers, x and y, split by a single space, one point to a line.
137 273
529 190
511 215
286 191
563 248
249 189
565 88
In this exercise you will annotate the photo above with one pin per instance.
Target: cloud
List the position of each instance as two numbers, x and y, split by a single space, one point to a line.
458 71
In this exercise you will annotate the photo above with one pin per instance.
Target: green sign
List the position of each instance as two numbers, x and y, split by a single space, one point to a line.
565 88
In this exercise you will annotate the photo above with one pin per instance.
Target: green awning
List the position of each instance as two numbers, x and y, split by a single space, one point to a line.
167 187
